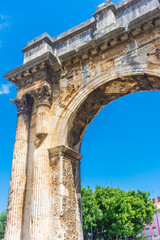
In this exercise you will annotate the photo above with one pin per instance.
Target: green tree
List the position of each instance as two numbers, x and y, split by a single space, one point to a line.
3 217
92 214
120 213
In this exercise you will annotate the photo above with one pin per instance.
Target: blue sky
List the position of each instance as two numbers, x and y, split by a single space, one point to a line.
121 145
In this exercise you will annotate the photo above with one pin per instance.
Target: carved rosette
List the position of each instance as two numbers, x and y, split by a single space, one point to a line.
24 105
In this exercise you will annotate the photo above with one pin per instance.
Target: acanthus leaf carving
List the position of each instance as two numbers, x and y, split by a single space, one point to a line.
43 95
24 105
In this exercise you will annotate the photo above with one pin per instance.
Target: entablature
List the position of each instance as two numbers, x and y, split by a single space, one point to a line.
40 68
110 26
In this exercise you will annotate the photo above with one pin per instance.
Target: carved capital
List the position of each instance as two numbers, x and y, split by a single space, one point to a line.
24 105
43 95
56 152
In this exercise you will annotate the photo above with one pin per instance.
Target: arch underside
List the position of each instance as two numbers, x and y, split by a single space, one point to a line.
102 96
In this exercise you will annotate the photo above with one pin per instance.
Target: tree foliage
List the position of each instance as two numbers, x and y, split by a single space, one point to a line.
3 217
113 213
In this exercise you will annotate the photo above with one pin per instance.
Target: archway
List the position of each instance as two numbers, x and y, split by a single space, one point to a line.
86 109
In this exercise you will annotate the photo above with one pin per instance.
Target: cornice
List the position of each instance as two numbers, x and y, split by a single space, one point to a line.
37 41
101 41
74 31
63 151
117 36
45 61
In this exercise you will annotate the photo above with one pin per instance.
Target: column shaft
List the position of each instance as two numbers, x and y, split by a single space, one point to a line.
18 180
29 182
40 200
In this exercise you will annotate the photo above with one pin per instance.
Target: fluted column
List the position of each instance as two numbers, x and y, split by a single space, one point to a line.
18 174
66 211
40 201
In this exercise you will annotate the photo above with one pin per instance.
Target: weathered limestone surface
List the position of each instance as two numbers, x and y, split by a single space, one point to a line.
66 222
63 84
18 175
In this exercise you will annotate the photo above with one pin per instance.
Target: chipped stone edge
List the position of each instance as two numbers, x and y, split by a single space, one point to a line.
63 151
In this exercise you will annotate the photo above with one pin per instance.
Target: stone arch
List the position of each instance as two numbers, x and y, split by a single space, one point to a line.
72 77
95 97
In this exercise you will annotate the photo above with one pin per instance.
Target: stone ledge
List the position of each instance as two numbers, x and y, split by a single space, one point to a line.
74 31
63 151
35 42
91 23
26 69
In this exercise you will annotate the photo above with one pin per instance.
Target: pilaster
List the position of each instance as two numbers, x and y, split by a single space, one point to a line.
66 212
40 199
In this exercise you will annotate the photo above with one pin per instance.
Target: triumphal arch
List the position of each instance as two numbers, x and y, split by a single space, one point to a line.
62 85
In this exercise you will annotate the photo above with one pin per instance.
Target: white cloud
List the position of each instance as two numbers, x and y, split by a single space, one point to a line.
4 21
5 89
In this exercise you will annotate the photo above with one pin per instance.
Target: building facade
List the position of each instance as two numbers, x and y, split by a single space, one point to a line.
152 232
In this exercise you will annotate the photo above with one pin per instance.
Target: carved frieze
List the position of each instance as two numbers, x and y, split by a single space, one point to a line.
34 77
120 87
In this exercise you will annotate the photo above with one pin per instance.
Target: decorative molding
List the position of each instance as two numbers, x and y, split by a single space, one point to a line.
24 105
37 69
42 96
62 150
25 74
112 39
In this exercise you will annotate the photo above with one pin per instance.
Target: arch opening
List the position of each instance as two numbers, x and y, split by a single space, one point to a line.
121 145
